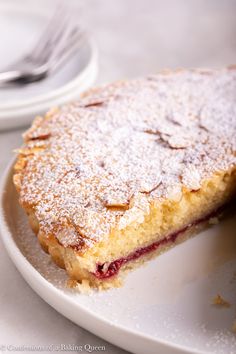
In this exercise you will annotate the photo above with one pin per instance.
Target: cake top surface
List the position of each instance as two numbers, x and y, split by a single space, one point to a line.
100 162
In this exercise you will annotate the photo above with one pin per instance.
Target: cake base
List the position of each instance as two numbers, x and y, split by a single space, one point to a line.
86 280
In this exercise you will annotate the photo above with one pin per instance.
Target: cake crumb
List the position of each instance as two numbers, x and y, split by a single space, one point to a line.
82 287
71 283
213 221
219 301
234 326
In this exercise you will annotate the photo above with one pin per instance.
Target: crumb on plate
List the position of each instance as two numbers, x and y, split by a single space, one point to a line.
234 326
83 287
219 301
213 221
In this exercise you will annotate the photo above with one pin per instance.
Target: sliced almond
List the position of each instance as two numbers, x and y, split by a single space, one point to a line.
94 104
191 177
42 136
178 142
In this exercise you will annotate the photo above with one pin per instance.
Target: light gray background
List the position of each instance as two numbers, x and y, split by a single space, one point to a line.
134 37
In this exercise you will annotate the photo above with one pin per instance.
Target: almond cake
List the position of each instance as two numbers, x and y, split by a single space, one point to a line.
129 170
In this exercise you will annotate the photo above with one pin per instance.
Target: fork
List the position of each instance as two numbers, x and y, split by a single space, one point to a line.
58 41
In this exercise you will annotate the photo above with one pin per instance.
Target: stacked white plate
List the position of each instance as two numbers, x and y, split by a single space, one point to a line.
21 23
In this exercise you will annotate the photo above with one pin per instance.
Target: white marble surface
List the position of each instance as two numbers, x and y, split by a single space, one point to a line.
135 37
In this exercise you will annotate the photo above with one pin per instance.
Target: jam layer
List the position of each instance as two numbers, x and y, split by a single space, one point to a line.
104 272
114 267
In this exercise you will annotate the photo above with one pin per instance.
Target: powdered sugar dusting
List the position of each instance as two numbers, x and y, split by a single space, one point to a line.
91 159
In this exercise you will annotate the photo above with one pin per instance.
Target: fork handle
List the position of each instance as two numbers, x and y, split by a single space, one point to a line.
20 77
8 77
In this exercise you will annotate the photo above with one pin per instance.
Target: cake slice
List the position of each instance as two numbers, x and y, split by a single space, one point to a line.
129 170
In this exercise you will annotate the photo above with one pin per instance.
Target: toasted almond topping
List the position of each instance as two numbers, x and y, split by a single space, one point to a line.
94 104
117 159
147 190
191 177
41 136
178 142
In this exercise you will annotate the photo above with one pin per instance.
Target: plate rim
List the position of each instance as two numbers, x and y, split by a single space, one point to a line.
58 92
20 112
98 325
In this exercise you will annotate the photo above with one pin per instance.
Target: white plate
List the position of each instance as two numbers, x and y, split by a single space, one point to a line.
21 23
164 307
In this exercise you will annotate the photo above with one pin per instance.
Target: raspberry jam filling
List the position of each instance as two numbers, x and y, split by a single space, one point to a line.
114 267
104 271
